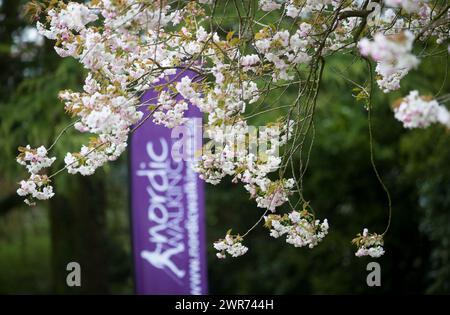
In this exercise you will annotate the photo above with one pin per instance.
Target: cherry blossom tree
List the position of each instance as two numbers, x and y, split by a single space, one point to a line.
130 46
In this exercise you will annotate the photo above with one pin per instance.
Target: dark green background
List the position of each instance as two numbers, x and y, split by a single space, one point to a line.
88 220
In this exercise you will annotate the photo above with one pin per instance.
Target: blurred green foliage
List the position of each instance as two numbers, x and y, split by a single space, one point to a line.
340 184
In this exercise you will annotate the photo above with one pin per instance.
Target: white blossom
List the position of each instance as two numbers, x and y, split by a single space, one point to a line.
36 187
369 244
300 228
409 6
34 160
231 245
393 56
269 5
416 111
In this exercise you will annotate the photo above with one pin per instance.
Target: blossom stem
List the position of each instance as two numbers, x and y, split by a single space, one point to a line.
61 133
372 159
256 224
77 160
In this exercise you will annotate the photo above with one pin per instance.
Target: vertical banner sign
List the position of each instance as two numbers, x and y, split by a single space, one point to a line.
167 206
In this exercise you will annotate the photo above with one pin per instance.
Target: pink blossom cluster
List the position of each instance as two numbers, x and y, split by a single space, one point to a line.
393 56
180 51
409 6
300 227
369 244
231 245
37 186
417 111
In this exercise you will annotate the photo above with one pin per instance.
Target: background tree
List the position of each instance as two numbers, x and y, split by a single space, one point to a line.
76 228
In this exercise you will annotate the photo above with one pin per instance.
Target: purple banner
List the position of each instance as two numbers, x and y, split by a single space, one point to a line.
167 204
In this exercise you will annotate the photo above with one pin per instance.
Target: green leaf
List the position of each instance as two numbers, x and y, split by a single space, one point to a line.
230 35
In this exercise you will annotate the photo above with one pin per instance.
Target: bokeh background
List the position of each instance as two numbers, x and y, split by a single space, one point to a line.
88 220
